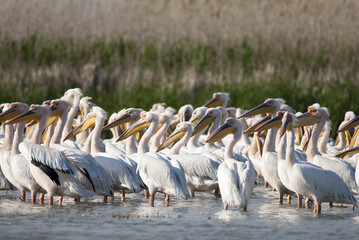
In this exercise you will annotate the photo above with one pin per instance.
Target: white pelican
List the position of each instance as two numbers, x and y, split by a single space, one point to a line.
19 164
269 157
194 144
120 172
219 99
158 174
49 167
212 117
91 174
200 169
74 95
5 152
345 170
310 180
236 178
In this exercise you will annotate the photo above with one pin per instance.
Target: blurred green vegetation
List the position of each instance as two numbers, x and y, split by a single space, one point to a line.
140 73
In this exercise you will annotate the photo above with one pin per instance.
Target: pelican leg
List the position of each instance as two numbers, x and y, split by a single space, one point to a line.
42 198
51 201
23 195
104 199
265 184
167 200
299 202
123 195
317 208
61 198
245 208
330 204
289 199
280 198
225 206
77 200
33 197
146 194
307 202
152 200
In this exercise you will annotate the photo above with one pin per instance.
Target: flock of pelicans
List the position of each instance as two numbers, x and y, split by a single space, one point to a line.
56 149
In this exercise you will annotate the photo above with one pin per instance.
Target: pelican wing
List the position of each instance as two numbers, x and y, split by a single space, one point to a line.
329 184
119 171
230 184
23 165
44 156
90 170
198 165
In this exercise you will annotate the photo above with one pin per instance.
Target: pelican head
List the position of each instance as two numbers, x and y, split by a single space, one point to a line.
287 121
231 111
207 119
85 106
219 99
144 122
349 125
58 107
88 122
198 114
185 113
181 129
231 126
15 109
269 106
73 94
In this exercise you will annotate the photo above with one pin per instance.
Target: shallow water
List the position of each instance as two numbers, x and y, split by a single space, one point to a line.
198 218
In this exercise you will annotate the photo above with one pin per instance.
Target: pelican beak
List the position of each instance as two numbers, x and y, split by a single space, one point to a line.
175 136
81 112
27 116
8 114
299 134
306 119
348 152
260 109
136 127
274 122
56 114
123 119
214 102
204 122
349 125
194 119
220 133
354 138
286 125
309 136
31 123
159 126
90 121
251 129
74 132
172 127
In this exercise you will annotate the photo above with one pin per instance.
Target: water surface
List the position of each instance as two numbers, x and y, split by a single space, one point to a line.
200 218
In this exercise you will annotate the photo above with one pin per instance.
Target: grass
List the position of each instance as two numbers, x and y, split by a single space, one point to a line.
128 53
